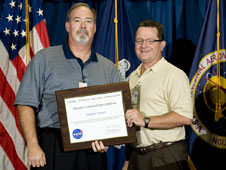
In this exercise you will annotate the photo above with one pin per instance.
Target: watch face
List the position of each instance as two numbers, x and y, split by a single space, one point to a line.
146 121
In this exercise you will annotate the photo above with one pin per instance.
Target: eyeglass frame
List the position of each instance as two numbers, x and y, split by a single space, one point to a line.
149 41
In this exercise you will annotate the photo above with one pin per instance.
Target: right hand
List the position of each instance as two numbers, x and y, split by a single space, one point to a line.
36 156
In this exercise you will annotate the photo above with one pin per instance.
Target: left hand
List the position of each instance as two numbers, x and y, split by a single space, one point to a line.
134 116
125 166
98 146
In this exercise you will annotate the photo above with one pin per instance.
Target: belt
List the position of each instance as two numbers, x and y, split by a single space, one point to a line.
143 150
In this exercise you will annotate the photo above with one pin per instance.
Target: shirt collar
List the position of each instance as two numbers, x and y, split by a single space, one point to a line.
69 55
158 65
154 68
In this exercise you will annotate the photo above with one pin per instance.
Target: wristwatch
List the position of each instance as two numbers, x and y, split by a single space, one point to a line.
146 121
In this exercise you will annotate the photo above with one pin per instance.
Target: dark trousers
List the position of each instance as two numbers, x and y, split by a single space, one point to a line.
172 157
56 159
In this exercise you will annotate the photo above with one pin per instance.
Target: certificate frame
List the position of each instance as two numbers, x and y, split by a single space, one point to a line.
61 95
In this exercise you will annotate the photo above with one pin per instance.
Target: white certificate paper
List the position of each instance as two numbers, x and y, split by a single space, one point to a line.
96 117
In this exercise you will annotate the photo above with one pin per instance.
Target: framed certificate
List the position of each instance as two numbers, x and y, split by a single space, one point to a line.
95 113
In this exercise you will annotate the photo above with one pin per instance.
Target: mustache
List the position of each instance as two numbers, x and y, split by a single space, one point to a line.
82 31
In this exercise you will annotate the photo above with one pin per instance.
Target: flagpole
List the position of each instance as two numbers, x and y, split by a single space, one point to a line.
116 34
218 113
28 58
190 164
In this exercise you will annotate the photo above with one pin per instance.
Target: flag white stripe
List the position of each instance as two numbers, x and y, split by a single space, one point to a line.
36 44
8 69
9 123
22 54
22 51
6 163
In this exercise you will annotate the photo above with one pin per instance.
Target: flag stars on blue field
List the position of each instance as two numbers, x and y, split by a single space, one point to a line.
40 12
23 33
21 6
18 19
12 4
16 33
10 18
13 47
6 32
13 33
29 8
26 20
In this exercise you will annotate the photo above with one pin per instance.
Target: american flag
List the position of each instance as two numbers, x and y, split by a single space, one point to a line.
13 61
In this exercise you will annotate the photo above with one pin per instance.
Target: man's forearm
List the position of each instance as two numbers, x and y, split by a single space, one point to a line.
169 120
27 124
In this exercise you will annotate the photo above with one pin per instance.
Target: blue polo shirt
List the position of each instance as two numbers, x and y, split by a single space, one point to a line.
56 68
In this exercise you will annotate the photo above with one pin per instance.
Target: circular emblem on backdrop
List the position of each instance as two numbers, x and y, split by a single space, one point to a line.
124 66
77 134
209 100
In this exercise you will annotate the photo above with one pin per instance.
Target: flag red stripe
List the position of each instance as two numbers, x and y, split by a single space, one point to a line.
20 66
31 53
8 97
9 148
42 33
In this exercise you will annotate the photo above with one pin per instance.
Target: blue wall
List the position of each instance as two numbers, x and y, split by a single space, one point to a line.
182 21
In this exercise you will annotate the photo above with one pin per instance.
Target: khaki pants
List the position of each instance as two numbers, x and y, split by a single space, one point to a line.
172 157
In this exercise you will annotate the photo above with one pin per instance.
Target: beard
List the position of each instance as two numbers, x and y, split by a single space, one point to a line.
82 38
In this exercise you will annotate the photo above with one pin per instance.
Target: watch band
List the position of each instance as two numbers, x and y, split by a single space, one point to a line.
146 121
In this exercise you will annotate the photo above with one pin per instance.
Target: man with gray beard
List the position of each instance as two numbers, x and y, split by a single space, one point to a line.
71 65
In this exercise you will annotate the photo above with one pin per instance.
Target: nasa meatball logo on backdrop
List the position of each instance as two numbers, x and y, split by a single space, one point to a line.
209 100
